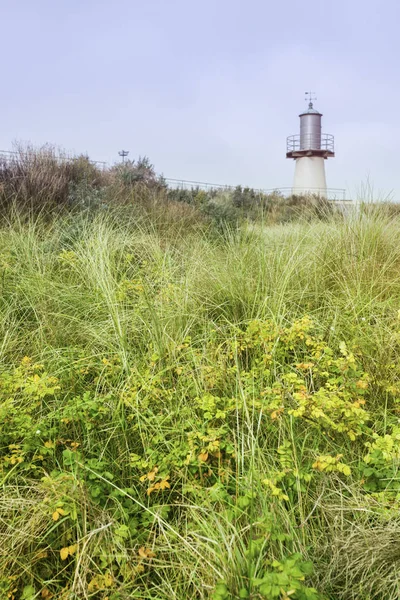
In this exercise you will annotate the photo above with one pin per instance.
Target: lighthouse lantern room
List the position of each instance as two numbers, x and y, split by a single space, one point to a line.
310 149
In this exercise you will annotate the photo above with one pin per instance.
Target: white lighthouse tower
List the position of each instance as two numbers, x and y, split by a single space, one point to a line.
310 149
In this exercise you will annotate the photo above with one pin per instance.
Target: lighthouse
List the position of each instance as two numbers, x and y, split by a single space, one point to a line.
310 148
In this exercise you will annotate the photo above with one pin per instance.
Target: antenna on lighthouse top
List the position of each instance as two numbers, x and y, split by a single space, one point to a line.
310 96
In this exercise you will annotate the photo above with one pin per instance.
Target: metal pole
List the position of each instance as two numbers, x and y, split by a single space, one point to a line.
123 154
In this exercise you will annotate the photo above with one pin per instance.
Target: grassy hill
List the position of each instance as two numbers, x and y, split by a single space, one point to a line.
198 411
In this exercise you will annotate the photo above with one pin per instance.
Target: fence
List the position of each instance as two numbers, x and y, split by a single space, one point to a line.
331 194
8 155
310 141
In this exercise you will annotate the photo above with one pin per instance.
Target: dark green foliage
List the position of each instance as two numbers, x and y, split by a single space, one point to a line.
45 181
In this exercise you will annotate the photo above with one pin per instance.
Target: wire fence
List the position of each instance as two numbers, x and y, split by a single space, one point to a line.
332 194
9 155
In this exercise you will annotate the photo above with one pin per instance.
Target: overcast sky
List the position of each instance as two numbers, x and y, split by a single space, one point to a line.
208 89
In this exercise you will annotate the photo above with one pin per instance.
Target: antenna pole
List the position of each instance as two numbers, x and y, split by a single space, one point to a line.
123 154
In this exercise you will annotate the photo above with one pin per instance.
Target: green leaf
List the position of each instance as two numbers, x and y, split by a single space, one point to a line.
28 593
369 471
296 572
283 579
311 593
122 531
70 457
307 567
221 588
95 491
270 591
243 501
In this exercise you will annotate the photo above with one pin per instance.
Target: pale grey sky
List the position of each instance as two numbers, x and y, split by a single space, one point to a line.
207 89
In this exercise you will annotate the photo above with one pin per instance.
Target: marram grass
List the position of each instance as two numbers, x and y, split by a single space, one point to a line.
192 415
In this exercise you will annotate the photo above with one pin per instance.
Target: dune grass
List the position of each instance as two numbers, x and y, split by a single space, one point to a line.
191 414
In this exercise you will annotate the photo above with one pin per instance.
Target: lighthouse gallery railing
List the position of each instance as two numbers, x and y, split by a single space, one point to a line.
324 141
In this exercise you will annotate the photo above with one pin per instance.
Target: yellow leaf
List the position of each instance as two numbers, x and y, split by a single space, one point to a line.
64 552
203 456
49 444
276 413
164 484
61 511
362 385
108 580
93 584
56 515
72 549
146 553
151 476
